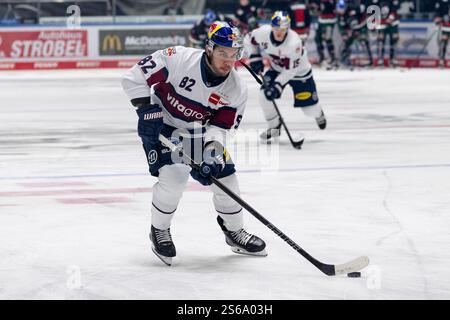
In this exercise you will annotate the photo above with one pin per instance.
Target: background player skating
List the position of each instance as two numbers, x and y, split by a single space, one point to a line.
288 65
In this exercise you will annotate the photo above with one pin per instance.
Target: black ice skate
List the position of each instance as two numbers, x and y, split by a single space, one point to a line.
321 121
243 242
271 133
162 245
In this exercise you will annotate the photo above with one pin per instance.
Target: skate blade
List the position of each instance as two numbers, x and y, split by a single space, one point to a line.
166 260
261 253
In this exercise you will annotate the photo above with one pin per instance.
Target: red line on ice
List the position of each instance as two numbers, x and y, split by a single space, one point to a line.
71 191
53 184
100 200
190 187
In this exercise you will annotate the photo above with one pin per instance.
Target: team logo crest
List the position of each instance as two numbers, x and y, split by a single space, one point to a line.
152 156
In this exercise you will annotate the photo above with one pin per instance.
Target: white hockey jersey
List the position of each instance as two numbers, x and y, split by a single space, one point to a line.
290 58
174 79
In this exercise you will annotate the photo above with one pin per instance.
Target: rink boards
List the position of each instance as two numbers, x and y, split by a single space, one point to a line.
119 46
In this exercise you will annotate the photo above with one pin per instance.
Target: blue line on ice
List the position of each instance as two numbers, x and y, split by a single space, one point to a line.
105 175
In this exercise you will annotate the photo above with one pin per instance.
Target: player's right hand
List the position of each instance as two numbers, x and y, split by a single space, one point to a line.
212 165
206 170
150 122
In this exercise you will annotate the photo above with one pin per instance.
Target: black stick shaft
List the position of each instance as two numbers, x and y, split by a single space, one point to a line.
321 266
325 268
261 82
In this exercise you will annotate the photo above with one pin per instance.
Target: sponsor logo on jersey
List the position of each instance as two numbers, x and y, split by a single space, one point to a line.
223 102
223 99
169 52
303 95
216 99
186 111
282 62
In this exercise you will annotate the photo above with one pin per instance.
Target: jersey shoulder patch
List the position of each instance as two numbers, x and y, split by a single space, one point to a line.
168 52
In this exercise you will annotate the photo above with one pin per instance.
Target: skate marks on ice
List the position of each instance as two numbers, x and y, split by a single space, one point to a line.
333 196
402 233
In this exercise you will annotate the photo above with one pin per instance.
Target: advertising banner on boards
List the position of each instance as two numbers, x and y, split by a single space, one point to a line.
139 41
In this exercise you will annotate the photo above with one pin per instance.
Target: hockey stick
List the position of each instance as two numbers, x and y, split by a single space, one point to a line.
295 144
328 269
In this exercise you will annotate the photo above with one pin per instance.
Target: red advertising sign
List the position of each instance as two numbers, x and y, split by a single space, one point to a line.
75 64
43 44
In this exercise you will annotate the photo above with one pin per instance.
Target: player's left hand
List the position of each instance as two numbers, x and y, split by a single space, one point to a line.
273 91
150 122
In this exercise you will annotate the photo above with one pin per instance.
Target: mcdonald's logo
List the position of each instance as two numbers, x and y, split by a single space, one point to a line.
111 42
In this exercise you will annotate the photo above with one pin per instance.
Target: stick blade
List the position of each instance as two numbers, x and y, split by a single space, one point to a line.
298 144
352 266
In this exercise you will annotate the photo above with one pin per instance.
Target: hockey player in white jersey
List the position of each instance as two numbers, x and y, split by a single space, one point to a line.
288 65
194 97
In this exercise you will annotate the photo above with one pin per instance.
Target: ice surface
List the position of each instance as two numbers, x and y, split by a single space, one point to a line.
75 196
